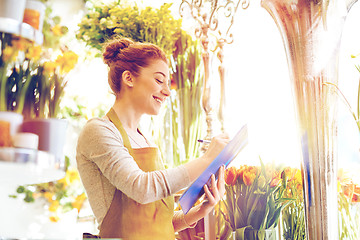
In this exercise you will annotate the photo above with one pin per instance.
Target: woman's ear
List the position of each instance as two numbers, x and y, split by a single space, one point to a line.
127 78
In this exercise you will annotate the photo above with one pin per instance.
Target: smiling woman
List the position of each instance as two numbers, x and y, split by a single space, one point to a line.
128 188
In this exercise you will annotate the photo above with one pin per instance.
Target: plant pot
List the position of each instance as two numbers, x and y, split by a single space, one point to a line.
12 9
52 135
5 138
26 140
34 14
15 120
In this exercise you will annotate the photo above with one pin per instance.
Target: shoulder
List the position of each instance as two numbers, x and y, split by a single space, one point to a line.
98 126
99 130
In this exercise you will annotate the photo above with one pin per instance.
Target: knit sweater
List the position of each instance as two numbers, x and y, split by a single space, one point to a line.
104 164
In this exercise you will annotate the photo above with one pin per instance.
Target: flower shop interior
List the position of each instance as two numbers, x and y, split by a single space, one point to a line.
288 72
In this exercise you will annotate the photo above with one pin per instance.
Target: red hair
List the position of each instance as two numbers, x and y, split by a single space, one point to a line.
124 54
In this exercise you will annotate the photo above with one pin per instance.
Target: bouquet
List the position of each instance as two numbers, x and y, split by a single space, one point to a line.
254 200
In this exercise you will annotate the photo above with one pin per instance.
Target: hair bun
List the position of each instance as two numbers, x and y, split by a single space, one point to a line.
113 48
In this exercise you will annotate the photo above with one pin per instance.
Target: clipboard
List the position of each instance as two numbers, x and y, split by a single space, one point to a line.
231 150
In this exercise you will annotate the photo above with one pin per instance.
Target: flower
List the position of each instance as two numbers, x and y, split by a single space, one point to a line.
33 52
66 62
60 196
231 176
254 197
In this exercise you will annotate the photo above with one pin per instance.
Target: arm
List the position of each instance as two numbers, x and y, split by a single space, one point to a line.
101 143
100 146
212 197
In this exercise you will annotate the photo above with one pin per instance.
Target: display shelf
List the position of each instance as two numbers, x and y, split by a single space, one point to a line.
24 30
26 166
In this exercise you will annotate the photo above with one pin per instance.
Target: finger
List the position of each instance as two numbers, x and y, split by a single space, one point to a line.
221 181
208 194
214 187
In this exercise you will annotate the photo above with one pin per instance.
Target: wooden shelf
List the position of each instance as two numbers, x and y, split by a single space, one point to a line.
21 29
26 166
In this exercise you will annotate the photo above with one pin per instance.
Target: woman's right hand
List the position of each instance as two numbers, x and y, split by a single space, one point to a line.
217 144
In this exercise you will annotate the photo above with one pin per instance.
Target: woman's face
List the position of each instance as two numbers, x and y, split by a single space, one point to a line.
151 87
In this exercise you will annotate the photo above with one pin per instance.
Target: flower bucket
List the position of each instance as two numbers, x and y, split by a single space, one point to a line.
15 120
34 14
12 9
52 135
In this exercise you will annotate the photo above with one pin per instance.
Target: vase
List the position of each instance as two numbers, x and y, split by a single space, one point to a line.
311 31
253 234
15 120
13 11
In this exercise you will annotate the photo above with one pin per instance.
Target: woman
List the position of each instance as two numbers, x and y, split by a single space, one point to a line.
127 186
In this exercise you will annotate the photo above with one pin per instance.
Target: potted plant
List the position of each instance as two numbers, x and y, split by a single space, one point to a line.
47 96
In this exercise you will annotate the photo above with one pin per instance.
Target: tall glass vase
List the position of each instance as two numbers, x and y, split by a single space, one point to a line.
311 31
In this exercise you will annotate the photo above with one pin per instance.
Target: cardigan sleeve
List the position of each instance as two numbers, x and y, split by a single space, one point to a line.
101 143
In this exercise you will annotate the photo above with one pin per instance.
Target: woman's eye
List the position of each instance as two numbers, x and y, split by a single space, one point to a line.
159 81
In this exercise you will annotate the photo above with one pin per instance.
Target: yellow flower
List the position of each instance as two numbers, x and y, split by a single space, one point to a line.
54 218
57 30
20 44
67 61
249 178
72 175
54 206
34 53
49 196
64 181
49 67
9 54
79 201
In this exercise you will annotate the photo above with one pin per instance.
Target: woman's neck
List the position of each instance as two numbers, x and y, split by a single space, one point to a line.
127 114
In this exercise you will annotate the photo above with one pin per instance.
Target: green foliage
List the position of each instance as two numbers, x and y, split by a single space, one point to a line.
53 31
104 21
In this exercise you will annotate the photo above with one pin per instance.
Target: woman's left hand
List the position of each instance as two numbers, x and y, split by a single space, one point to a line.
213 195
214 192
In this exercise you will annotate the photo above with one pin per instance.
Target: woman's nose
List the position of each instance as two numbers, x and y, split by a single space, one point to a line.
166 90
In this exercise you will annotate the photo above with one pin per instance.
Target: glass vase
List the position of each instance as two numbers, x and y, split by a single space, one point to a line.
253 234
311 31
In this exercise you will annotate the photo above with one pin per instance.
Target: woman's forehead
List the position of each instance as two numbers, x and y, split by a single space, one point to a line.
158 67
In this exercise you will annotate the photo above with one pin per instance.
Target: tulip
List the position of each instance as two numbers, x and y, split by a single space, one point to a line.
249 177
231 176
240 172
276 178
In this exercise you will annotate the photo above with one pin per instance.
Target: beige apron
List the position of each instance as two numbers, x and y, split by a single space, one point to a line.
128 219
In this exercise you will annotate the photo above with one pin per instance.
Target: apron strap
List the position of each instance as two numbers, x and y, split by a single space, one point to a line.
116 121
